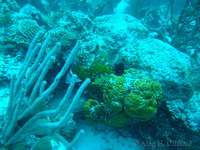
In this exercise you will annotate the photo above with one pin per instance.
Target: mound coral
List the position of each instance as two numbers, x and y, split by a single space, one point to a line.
99 112
118 99
92 66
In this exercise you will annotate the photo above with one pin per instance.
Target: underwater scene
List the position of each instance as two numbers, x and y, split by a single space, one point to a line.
99 74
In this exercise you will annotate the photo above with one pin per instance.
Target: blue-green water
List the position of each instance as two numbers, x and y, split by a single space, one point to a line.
103 75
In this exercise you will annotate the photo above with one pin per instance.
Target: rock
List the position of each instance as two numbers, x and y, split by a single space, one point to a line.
163 63
187 112
127 41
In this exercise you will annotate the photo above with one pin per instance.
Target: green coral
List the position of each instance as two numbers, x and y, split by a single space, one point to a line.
92 66
110 90
94 110
96 69
118 99
138 107
98 112
114 88
147 89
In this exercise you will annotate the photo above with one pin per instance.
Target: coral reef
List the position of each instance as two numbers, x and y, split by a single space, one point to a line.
91 66
69 26
121 98
163 46
8 65
28 98
136 49
28 28
163 63
186 112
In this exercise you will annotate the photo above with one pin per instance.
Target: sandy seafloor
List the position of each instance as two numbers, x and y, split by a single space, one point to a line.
100 137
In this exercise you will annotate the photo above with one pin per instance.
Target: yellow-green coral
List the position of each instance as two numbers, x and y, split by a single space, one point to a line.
147 89
94 110
138 107
109 89
98 112
96 69
122 98
114 90
92 66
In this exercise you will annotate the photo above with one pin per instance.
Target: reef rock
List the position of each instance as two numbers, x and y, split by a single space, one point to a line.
127 41
186 112
163 63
